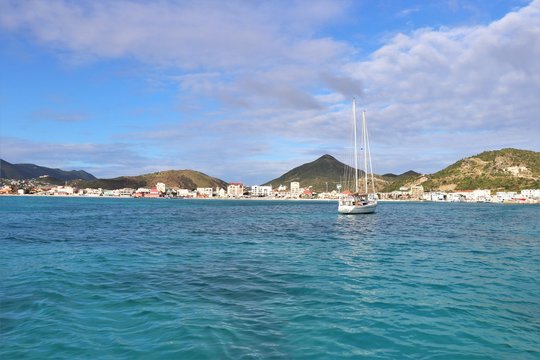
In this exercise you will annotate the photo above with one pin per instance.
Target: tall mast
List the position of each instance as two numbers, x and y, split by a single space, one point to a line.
355 147
368 148
364 148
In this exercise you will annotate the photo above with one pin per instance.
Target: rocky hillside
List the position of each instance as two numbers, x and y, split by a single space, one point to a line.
506 169
185 179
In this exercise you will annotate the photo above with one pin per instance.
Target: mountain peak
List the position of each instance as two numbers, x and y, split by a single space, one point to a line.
409 173
327 157
321 174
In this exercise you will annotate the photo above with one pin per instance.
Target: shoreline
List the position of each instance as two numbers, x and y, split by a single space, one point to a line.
537 202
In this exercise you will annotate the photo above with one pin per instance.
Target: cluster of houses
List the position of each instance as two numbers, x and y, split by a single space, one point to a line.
417 193
234 190
237 190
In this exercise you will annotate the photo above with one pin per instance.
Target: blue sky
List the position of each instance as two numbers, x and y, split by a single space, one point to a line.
247 90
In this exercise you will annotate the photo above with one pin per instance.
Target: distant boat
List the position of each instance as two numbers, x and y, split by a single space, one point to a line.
357 202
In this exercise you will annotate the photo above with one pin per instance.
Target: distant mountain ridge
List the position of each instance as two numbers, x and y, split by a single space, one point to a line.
406 174
506 169
188 179
185 179
32 171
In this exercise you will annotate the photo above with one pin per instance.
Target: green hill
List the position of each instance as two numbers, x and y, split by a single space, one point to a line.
503 170
185 179
323 172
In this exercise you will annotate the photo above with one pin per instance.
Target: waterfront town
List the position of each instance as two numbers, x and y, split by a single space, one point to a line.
237 190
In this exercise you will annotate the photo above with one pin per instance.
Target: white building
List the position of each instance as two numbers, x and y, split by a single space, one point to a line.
125 192
295 189
456 197
205 192
220 192
481 195
435 196
62 190
184 193
261 191
531 193
235 190
503 196
93 192
161 187
328 195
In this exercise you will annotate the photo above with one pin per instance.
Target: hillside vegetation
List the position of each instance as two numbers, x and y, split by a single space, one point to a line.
503 170
185 179
405 179
325 172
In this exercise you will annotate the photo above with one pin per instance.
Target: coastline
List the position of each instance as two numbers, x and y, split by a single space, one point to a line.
537 202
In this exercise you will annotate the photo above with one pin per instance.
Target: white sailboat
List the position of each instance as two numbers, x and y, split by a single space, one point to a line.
366 202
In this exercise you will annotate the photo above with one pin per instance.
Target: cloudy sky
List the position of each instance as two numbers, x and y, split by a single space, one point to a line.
246 90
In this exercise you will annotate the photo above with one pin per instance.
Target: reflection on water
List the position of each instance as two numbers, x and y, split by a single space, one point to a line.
363 223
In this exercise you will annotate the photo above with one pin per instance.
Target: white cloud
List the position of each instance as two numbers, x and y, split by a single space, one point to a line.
186 34
433 96
242 53
478 86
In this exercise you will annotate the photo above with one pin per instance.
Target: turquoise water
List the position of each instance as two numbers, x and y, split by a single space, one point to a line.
186 279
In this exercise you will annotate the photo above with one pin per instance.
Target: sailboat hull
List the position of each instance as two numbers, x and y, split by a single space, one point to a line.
357 209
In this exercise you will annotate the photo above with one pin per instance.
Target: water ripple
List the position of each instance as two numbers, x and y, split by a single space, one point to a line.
122 278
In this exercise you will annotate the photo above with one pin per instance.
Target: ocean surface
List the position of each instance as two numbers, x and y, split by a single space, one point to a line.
89 278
